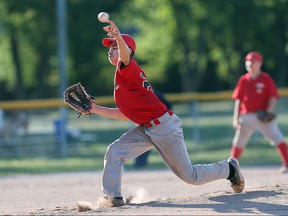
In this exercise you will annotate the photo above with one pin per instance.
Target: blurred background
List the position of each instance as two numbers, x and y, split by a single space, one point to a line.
185 47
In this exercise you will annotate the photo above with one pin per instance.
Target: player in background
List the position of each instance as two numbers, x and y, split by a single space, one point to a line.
254 91
157 127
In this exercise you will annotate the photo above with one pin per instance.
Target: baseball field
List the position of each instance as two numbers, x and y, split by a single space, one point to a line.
52 186
156 192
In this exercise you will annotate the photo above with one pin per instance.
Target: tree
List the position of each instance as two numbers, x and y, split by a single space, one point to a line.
31 33
183 45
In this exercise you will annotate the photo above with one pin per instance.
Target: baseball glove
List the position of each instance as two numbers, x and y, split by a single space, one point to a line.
265 116
78 99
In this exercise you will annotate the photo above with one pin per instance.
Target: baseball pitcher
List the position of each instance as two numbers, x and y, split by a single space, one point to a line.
157 128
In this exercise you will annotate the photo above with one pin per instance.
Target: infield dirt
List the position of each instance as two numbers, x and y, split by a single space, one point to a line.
158 192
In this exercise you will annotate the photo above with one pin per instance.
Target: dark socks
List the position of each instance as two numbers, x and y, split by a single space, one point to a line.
231 171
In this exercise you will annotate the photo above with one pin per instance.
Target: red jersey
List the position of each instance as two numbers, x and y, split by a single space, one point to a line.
134 95
254 94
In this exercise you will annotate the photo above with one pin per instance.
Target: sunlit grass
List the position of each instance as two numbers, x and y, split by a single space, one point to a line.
32 166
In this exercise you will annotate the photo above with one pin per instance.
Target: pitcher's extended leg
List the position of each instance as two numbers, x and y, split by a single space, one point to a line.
168 139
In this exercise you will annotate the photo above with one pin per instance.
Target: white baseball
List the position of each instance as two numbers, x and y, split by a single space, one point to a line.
103 16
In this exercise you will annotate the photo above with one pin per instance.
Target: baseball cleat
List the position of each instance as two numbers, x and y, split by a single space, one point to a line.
118 201
237 181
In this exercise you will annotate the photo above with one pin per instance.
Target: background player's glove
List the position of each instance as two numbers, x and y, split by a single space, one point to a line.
78 99
265 116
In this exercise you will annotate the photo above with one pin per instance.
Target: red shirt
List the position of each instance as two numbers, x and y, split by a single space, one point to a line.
254 94
134 95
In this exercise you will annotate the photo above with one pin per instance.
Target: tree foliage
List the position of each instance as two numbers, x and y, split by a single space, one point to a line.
183 45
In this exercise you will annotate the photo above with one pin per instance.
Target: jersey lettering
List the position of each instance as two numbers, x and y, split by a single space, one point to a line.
259 87
145 82
116 86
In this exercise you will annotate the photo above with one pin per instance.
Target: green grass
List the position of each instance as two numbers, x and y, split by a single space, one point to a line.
42 165
252 156
213 142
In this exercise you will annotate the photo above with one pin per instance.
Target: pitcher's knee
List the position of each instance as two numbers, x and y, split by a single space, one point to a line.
113 155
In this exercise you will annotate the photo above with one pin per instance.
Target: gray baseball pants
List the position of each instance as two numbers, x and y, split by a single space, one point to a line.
250 123
167 138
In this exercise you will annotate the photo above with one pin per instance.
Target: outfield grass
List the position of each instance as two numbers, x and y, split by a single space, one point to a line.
208 140
252 156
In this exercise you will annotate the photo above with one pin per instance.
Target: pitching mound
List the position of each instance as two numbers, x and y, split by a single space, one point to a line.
154 193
